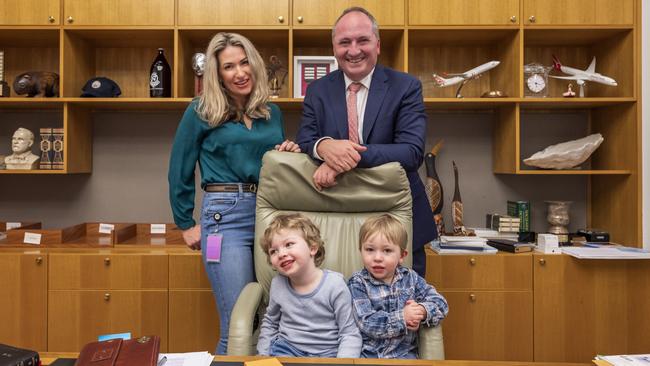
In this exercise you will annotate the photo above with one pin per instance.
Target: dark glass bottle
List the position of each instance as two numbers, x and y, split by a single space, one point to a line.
160 77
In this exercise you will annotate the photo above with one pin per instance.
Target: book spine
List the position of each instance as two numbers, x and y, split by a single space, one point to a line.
47 153
520 209
57 146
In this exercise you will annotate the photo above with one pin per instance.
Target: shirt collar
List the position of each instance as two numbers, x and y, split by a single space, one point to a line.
365 81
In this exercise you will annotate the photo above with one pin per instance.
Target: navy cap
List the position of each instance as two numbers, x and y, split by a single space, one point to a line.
100 87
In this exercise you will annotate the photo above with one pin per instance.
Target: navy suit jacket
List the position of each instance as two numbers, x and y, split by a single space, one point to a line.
394 129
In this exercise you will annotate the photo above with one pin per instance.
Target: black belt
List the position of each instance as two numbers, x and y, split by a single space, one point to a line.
226 187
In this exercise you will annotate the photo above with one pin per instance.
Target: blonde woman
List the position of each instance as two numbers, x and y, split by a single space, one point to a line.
226 130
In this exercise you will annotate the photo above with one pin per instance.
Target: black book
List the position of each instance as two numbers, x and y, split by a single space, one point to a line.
511 246
10 356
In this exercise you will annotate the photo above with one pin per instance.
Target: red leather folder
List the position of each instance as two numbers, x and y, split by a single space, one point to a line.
141 351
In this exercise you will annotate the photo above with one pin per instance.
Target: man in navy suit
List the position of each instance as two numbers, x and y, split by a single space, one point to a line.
364 115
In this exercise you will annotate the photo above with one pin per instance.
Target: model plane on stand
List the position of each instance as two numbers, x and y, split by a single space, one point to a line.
464 77
582 76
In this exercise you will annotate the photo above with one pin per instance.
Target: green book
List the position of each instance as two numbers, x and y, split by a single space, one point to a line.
520 209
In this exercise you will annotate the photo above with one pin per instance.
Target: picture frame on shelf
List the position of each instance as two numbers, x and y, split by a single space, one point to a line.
309 68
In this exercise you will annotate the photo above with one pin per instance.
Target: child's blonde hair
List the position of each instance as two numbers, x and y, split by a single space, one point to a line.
310 233
388 226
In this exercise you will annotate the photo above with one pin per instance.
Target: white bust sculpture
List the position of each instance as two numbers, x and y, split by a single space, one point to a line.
21 145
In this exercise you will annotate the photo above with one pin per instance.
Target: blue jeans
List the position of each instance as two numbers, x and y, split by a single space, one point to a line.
281 347
236 222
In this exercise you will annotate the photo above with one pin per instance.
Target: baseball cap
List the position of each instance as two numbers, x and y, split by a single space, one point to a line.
100 87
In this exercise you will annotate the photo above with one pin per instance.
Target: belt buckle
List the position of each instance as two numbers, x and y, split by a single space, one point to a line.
253 187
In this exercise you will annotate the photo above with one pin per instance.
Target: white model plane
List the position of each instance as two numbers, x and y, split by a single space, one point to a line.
582 76
464 77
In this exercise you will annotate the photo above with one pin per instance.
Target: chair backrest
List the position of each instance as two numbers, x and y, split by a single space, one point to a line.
286 186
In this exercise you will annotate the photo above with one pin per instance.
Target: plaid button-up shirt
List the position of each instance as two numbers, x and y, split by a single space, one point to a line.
379 311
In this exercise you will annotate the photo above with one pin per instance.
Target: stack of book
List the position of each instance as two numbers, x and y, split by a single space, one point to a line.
512 246
462 245
502 223
520 209
494 234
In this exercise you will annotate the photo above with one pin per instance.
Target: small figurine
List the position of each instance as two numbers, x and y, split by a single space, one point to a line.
198 65
434 188
37 84
569 93
277 75
21 145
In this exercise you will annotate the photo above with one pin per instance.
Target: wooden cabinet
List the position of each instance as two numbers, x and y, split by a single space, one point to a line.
118 12
234 12
76 317
589 307
490 305
29 12
23 309
193 316
578 12
325 13
464 12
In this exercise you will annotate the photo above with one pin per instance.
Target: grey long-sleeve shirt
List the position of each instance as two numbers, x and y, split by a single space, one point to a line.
317 323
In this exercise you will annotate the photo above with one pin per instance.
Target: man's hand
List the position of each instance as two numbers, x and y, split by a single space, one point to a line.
192 237
288 145
324 177
414 313
340 155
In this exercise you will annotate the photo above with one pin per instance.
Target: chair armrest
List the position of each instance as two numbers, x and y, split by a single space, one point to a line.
431 344
240 334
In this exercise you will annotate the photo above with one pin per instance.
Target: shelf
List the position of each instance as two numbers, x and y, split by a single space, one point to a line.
468 103
30 103
568 103
571 172
34 171
131 103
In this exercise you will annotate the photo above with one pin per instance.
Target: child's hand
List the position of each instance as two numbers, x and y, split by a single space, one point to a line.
414 313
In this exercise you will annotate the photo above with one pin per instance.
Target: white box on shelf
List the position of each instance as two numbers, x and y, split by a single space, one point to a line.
548 244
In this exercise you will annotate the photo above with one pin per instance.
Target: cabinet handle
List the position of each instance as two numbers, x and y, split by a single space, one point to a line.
472 261
39 260
50 19
542 261
513 19
281 19
107 297
107 261
70 19
472 297
300 19
532 19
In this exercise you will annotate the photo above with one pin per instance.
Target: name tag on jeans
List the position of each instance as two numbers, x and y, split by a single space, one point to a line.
213 251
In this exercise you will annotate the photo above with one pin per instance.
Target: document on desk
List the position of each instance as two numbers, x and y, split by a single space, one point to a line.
185 359
606 253
627 360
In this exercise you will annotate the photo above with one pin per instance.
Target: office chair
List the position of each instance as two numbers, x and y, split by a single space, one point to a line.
285 187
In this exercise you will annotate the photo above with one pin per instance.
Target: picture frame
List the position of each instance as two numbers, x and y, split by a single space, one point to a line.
309 68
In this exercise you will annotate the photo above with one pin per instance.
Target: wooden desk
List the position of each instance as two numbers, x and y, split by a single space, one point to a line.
48 357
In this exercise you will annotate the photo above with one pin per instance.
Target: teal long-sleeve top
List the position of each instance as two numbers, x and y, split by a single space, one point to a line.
229 153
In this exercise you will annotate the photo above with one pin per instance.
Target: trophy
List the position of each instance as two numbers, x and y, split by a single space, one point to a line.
277 75
198 65
4 86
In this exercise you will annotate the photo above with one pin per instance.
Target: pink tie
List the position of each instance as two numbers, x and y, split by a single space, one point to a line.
353 119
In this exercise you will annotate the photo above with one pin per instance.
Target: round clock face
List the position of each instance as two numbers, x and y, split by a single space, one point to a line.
536 83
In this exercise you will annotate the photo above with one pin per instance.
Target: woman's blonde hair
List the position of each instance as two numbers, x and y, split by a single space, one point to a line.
215 105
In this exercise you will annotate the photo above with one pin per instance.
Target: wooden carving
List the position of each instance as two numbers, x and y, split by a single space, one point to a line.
37 84
457 207
434 188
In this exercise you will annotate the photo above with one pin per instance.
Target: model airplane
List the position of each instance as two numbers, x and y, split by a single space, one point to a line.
464 77
582 76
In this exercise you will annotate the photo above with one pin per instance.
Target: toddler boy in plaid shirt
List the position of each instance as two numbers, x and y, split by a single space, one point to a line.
390 302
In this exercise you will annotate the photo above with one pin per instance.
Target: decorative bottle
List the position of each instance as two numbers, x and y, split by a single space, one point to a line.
160 77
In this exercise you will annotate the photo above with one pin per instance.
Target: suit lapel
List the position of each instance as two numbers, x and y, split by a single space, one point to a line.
376 94
338 104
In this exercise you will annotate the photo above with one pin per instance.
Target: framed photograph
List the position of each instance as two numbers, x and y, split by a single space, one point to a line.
309 68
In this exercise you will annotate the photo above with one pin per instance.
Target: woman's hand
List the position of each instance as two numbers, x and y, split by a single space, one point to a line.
288 145
192 237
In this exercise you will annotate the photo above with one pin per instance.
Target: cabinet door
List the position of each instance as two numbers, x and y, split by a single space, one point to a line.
493 272
325 13
78 317
127 271
29 12
489 325
578 12
23 309
464 12
118 12
193 320
589 307
233 12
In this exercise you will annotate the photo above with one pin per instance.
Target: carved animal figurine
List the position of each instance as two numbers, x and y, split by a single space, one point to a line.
37 84
457 207
434 187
